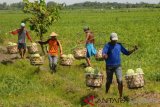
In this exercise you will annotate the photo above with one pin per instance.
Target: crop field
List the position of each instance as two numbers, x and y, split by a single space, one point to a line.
24 85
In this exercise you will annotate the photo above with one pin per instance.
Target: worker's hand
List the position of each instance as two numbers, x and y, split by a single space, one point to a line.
10 32
61 55
81 42
39 42
105 56
135 48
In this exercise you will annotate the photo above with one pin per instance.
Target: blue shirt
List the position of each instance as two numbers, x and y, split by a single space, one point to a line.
113 52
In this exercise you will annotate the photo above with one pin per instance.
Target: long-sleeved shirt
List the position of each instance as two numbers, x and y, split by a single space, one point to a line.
21 35
113 52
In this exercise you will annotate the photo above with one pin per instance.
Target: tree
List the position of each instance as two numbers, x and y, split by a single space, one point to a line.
51 3
3 6
19 5
42 16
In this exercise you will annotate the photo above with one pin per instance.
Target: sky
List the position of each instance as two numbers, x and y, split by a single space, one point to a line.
78 1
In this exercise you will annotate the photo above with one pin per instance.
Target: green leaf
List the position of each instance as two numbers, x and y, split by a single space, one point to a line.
41 17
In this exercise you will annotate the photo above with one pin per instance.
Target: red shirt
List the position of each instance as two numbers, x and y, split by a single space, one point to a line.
17 31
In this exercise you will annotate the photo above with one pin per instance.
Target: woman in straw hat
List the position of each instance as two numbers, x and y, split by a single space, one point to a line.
54 44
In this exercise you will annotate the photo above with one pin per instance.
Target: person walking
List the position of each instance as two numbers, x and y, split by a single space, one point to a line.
54 44
22 33
111 53
89 42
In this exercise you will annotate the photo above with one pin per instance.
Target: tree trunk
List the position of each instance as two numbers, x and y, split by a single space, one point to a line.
42 47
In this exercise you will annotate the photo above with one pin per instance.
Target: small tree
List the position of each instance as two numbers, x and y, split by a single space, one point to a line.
42 16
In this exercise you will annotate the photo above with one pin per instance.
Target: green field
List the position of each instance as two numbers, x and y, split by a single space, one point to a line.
23 85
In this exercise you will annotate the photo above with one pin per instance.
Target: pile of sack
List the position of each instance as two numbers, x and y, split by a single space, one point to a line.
12 48
35 58
94 78
67 60
32 48
135 79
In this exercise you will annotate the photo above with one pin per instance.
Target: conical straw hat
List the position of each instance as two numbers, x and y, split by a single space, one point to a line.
53 34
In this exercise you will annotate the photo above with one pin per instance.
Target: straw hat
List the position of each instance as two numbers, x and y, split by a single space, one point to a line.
53 34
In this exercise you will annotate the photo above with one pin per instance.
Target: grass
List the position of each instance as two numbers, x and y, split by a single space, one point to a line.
22 85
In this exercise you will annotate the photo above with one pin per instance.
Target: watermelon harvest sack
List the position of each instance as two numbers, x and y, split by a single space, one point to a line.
67 60
80 53
12 48
135 80
99 55
36 59
94 78
32 48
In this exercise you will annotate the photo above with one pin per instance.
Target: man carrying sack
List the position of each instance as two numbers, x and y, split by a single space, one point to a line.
111 53
54 44
22 33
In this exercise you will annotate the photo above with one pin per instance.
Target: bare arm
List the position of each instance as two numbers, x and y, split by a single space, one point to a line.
40 42
104 56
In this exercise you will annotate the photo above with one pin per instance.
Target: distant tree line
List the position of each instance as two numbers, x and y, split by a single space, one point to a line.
114 5
13 6
20 5
92 5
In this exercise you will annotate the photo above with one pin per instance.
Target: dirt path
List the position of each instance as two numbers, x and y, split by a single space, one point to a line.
145 98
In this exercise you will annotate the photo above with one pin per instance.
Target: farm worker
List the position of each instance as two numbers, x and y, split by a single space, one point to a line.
22 33
89 42
54 44
111 54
